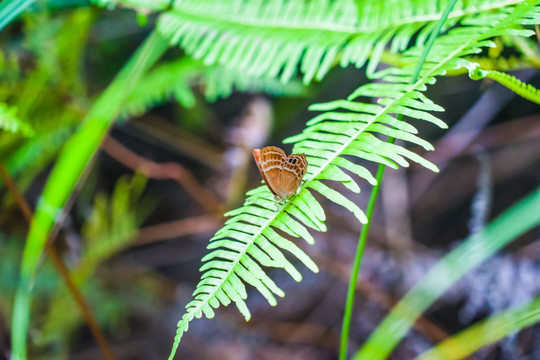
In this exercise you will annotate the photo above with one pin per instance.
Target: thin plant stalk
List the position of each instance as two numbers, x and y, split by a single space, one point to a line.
347 316
349 305
62 269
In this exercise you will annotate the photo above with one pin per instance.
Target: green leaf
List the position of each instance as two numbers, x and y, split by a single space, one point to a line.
10 9
520 218
10 122
270 39
338 199
486 332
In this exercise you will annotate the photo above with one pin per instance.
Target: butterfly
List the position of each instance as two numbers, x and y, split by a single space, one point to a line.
282 174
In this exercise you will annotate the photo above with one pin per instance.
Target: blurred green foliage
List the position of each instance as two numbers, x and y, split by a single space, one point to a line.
110 228
42 79
49 92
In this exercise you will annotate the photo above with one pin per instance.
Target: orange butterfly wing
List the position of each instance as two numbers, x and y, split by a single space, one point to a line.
270 161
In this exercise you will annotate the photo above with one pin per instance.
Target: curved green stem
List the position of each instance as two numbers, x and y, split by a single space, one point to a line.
524 90
347 316
357 261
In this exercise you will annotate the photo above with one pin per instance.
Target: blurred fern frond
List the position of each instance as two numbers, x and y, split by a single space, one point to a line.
274 39
50 95
139 5
10 122
158 85
177 78
219 82
256 234
112 225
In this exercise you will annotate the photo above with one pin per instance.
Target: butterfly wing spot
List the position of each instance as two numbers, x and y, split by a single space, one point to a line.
283 175
292 174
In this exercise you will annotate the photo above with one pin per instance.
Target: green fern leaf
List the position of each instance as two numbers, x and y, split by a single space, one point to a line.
524 90
161 83
270 39
175 79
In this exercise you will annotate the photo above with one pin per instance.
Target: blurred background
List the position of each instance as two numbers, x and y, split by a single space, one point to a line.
139 224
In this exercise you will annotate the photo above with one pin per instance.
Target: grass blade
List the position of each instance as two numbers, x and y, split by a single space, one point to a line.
72 161
10 9
468 341
520 218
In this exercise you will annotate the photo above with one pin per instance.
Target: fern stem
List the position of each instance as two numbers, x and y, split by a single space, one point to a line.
349 305
357 261
522 89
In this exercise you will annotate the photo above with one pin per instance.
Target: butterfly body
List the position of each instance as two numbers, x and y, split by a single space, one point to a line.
282 174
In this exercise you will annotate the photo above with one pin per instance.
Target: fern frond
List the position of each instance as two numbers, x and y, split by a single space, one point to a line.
253 235
524 90
109 228
271 38
166 80
46 95
220 82
70 49
175 79
257 233
139 5
28 159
